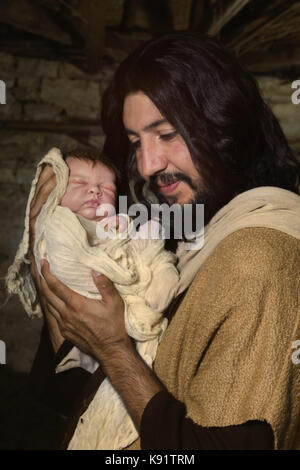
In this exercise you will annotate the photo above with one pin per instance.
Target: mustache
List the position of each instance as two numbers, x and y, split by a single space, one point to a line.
170 178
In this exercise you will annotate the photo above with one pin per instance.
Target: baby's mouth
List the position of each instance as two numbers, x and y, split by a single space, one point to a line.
92 203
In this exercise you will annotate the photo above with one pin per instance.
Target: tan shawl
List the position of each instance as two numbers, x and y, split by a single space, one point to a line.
260 207
227 353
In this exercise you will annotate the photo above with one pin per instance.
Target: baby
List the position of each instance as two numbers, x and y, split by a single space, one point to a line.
91 182
91 185
142 270
75 238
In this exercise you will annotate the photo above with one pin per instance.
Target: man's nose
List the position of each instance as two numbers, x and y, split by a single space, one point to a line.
153 160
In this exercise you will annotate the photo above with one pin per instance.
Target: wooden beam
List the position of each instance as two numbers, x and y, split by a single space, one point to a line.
121 43
159 14
125 42
281 59
230 12
64 10
25 15
93 12
42 49
93 127
200 16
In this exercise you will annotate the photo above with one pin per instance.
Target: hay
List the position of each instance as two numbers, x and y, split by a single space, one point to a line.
261 33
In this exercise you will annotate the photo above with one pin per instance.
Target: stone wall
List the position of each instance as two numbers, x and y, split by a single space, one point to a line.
36 91
277 93
49 91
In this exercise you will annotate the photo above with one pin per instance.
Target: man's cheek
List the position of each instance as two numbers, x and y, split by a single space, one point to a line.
140 167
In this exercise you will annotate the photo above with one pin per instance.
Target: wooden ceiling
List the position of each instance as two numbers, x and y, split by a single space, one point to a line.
265 34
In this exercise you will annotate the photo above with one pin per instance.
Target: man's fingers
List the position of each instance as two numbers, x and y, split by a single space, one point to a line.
41 195
46 173
53 312
104 285
34 271
39 200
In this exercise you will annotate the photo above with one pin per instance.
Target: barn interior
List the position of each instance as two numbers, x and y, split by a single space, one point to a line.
56 59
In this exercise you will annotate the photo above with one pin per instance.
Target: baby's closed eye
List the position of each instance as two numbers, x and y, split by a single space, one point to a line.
78 182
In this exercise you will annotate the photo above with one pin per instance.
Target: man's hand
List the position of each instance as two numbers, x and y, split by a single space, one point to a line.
44 187
98 328
95 326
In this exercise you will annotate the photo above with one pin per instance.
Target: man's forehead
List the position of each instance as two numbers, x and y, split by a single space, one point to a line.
140 113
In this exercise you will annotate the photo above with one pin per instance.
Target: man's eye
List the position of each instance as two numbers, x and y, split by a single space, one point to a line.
168 136
135 145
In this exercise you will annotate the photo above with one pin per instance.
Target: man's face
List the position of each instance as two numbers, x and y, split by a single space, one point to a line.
89 186
163 158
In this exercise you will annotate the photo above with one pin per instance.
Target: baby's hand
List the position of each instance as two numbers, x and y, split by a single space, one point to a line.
115 223
107 223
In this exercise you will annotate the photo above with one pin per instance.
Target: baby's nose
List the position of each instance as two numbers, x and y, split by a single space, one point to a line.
95 190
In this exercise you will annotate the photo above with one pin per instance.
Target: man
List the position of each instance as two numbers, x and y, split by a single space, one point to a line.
196 130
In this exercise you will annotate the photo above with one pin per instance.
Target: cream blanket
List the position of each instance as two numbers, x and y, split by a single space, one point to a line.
143 272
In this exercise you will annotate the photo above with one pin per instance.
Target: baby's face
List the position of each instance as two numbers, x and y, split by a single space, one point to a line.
88 187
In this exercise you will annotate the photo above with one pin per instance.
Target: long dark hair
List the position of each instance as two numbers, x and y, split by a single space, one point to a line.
235 141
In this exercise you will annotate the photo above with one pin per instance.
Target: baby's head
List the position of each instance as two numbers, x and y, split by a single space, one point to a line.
92 182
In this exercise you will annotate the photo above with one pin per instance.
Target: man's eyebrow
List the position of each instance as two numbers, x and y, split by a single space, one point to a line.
149 127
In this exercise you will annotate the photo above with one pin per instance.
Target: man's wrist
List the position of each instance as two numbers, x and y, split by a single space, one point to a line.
111 353
131 377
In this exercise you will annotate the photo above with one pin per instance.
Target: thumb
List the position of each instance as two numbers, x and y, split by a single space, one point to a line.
104 285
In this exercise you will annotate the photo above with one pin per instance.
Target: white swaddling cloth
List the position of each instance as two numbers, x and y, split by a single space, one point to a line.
143 272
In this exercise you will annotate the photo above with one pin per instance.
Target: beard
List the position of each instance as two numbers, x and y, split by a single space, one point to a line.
201 195
169 178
